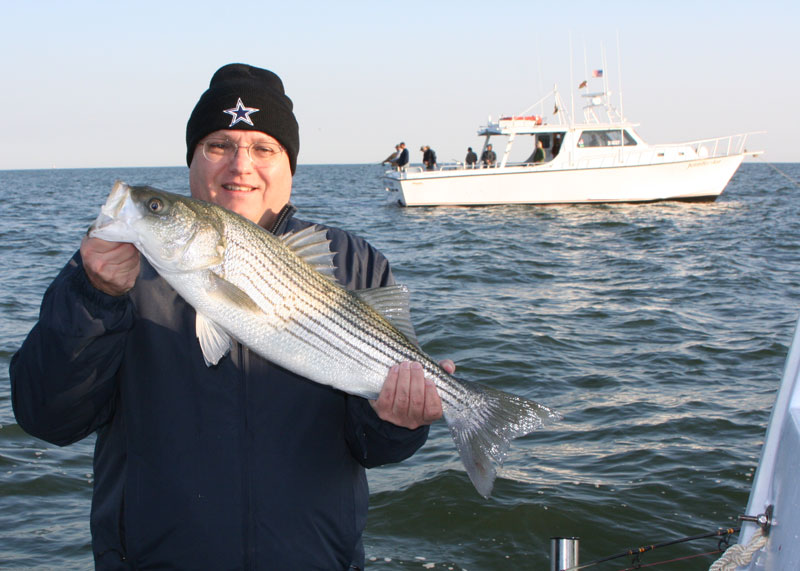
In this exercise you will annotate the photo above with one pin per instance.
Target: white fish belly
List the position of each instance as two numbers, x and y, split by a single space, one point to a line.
313 346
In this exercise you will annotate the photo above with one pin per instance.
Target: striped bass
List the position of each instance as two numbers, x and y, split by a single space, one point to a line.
277 296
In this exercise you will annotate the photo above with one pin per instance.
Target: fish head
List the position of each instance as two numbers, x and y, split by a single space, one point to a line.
175 233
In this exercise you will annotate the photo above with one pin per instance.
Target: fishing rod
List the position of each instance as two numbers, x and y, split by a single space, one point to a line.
779 171
635 553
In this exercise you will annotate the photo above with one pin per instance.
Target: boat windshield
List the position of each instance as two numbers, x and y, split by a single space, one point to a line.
605 138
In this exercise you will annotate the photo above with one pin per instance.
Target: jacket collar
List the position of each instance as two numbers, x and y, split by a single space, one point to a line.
286 213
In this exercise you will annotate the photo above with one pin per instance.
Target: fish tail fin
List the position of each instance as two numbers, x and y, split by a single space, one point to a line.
484 426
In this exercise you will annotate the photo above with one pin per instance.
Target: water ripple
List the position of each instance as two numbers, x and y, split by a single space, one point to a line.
660 332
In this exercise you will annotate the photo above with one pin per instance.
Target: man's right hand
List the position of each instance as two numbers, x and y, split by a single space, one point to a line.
112 267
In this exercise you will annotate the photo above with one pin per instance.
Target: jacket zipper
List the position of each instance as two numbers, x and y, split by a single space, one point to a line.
286 212
248 523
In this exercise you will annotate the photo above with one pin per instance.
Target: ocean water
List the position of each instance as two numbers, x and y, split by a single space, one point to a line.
659 331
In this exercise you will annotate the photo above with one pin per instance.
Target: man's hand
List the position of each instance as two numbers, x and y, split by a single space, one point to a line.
112 267
408 399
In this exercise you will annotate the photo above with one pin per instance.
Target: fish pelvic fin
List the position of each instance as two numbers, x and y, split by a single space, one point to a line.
214 341
484 427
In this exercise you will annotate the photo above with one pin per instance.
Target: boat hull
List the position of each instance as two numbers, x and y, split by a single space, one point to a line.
775 483
692 180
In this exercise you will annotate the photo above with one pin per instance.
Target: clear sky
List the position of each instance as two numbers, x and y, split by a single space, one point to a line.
107 83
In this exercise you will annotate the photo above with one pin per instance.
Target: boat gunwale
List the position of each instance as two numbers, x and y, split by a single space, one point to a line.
537 168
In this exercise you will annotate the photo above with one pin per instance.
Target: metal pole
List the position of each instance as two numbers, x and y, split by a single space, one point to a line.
563 553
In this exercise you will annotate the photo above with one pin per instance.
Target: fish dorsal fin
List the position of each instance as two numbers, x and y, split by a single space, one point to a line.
313 246
392 302
214 341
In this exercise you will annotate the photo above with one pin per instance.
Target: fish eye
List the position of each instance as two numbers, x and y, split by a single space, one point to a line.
155 205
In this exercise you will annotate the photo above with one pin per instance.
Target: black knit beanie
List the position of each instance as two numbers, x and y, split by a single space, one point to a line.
241 96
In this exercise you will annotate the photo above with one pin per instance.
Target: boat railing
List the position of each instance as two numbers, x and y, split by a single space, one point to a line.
401 172
459 166
453 166
717 147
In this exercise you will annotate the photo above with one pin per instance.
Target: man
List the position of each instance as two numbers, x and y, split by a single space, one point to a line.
471 158
428 157
538 154
488 157
392 157
402 159
243 465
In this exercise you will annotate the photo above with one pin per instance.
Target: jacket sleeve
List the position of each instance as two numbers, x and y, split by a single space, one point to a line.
372 441
62 378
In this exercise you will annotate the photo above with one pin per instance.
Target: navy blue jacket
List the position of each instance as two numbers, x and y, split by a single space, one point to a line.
402 160
239 466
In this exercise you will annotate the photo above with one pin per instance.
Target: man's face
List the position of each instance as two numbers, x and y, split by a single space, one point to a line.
257 192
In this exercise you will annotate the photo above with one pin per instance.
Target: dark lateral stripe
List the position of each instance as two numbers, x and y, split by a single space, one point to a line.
344 327
314 287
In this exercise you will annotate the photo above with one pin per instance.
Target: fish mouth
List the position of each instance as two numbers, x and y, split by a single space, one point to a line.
109 212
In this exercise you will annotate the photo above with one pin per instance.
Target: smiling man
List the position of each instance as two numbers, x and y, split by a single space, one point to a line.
243 465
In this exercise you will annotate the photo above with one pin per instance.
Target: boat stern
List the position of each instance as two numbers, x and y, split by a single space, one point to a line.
394 190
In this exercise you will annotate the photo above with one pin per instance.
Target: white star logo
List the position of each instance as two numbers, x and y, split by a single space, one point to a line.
240 113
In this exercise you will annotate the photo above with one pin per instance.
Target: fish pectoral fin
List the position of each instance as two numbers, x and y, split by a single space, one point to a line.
227 292
214 341
312 246
393 303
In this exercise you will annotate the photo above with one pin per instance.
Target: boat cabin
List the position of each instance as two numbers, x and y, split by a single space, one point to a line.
583 142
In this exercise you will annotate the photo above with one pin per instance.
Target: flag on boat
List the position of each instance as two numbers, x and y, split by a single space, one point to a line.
555 109
582 85
597 73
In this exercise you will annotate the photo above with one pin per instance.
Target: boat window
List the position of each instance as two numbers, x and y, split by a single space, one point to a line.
614 138
605 138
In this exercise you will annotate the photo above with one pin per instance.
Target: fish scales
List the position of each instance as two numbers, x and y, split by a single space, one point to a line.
338 322
268 293
305 291
383 346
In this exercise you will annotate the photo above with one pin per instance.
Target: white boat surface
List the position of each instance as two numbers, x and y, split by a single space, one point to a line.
599 160
772 542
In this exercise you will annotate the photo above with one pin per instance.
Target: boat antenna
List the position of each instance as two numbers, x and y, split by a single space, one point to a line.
605 70
585 61
619 78
571 83
539 62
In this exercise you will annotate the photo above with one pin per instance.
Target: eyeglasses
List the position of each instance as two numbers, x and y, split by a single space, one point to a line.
260 154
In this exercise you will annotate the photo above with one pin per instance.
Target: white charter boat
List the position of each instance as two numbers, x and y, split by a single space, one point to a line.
600 160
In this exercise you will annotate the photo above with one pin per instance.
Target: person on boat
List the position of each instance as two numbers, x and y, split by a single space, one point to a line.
471 158
557 140
538 154
488 157
393 157
243 465
428 157
402 159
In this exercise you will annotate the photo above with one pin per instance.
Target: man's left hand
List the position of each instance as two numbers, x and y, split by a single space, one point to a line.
408 399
